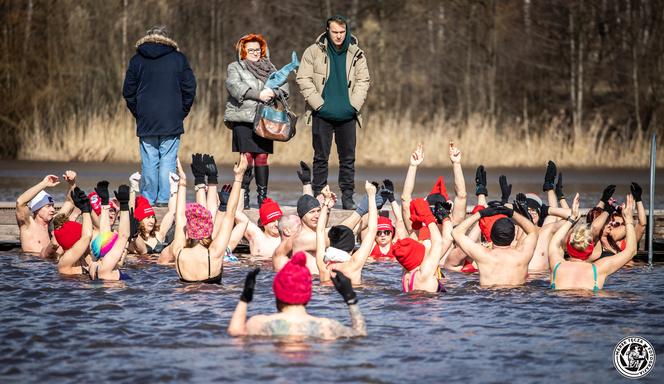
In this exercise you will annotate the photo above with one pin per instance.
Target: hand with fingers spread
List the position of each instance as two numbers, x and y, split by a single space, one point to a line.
81 200
549 176
387 191
505 189
198 168
102 192
417 157
304 173
628 209
480 181
210 169
607 193
344 287
224 195
134 181
636 191
559 187
249 285
122 194
50 181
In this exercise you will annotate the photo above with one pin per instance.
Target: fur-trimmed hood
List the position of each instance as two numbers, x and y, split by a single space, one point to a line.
155 46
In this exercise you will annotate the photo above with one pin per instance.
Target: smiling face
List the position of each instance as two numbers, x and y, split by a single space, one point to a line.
311 218
148 224
253 49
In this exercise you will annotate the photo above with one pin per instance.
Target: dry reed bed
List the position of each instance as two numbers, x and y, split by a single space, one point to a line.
383 141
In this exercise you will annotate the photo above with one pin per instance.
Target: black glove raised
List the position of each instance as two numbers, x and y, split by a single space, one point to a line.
122 194
210 169
543 213
441 211
249 284
387 190
549 176
607 193
610 209
559 187
198 168
344 287
81 200
505 189
102 192
247 177
636 191
304 173
521 206
224 195
480 181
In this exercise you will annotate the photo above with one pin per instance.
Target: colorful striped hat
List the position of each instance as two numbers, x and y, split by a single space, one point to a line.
102 244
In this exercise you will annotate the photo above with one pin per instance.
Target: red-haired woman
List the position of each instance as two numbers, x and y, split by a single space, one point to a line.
245 84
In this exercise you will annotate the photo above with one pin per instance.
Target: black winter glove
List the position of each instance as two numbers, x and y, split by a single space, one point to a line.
442 211
610 209
492 211
559 187
480 181
607 193
198 168
249 284
81 200
345 288
636 191
133 225
122 194
304 173
247 177
102 191
521 206
224 195
210 169
550 176
387 190
544 212
505 189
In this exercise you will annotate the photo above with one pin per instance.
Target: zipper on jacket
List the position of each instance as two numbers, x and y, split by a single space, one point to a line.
352 65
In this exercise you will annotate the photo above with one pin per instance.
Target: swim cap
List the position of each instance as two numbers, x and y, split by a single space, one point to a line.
143 208
502 231
341 237
68 234
102 244
95 202
581 254
269 211
199 221
336 255
385 224
409 253
292 285
42 199
486 223
533 201
305 204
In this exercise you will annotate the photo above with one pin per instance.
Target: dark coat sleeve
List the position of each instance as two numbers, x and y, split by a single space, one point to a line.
188 86
130 87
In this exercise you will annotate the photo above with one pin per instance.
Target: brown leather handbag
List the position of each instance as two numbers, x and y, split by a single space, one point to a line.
275 121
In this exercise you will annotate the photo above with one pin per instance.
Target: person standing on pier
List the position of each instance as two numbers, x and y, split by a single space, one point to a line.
334 80
159 89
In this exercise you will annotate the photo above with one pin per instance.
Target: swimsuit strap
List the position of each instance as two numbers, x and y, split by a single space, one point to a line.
209 267
403 282
177 263
553 279
411 285
595 288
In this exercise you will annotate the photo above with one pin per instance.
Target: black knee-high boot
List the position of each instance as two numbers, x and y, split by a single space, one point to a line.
246 180
262 175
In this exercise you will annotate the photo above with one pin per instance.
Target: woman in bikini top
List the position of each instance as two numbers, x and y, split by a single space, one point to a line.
199 257
578 272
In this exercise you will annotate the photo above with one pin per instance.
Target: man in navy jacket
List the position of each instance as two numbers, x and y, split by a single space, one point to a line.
159 89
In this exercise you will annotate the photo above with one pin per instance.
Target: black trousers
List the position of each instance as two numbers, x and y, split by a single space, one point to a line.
344 138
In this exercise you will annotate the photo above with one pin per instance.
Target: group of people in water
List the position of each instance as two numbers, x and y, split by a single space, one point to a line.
432 238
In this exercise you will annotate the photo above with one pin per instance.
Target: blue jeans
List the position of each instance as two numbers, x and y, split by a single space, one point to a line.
158 158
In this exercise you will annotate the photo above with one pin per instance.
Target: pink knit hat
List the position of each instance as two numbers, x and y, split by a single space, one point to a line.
199 221
292 285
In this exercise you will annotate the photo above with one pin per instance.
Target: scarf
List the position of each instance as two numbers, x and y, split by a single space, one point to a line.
261 69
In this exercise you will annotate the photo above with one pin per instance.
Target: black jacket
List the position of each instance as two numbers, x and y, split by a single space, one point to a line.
159 87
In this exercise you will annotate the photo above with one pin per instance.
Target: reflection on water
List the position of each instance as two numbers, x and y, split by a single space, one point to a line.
155 329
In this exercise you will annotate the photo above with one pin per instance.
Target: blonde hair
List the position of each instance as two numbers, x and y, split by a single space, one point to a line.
206 242
59 220
581 237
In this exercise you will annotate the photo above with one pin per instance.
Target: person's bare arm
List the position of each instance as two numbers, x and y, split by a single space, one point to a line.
560 212
23 213
321 243
556 253
401 232
640 226
169 216
611 264
73 254
598 225
68 205
416 159
360 256
114 256
460 194
219 244
180 219
238 324
472 249
280 256
439 246
527 248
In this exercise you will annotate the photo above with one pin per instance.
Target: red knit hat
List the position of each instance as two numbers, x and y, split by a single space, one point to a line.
486 223
385 224
269 211
420 214
409 253
143 208
292 285
580 254
95 202
68 234
439 188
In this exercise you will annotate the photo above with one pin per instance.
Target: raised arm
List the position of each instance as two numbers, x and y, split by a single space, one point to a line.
460 195
72 255
560 196
219 244
611 264
362 254
180 206
527 247
211 173
238 323
304 174
474 250
321 243
169 216
68 205
556 253
113 257
358 327
548 186
23 212
640 226
416 158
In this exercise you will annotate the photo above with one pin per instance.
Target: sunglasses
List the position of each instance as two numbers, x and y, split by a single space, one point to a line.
383 233
616 224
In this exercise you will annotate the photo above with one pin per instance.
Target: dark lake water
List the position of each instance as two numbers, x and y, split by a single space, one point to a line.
285 187
155 329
